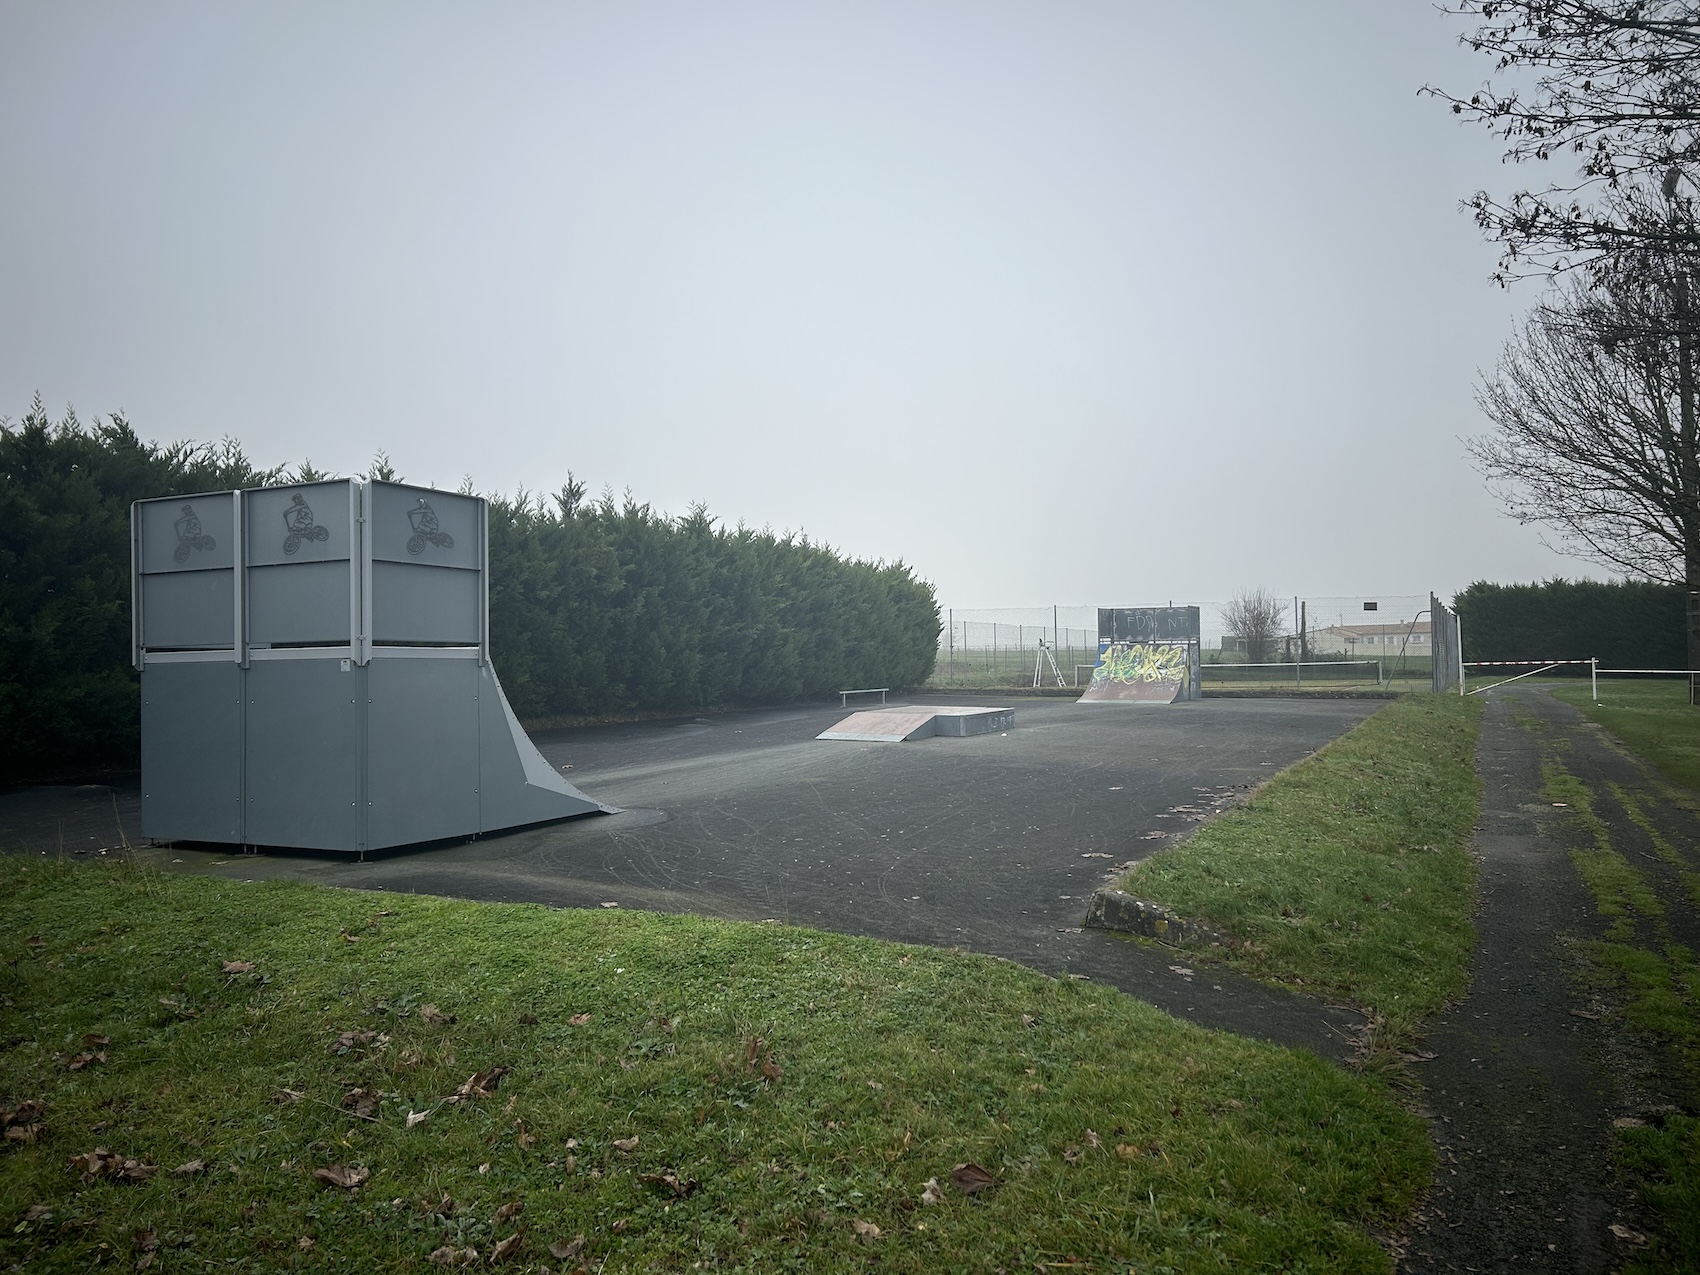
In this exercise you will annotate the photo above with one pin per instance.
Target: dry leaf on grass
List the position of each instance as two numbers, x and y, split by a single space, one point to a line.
867 1232
1093 1140
1126 1152
238 967
448 1255
513 1208
971 1179
288 1095
505 1248
342 1175
22 1123
566 1250
346 937
479 1085
670 1182
1625 1233
92 1040
417 1118
101 1163
932 1192
626 1145
189 1168
579 1020
431 1014
362 1102
76 1062
37 1213
35 940
1074 1155
305 1243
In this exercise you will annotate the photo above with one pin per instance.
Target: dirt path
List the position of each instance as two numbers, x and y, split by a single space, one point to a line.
1532 1070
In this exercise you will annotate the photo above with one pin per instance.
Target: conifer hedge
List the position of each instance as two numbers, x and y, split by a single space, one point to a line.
1631 624
596 607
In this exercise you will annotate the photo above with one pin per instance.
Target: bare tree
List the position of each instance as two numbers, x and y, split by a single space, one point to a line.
1595 433
1615 85
1257 617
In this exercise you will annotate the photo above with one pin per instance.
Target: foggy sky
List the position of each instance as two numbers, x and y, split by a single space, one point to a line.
1075 302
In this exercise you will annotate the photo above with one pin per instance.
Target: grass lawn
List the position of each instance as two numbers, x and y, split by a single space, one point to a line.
663 1092
1653 717
1347 874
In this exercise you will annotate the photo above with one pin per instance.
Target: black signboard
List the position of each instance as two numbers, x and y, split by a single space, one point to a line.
1148 624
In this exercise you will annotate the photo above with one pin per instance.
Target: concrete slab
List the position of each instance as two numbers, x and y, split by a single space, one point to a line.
894 725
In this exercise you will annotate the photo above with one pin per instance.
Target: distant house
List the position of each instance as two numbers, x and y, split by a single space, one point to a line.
1370 641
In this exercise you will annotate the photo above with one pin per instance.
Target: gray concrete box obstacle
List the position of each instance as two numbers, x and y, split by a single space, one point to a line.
315 666
894 725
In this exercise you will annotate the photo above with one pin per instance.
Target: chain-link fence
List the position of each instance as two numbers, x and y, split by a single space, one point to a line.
1384 639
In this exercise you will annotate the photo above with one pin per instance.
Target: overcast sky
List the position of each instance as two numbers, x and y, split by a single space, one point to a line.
1098 303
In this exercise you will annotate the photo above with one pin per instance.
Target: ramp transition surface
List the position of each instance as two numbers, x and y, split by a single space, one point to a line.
894 725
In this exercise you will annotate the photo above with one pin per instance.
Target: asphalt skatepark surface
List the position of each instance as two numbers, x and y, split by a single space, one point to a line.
991 843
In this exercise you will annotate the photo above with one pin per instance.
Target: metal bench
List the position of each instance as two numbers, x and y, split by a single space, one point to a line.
844 696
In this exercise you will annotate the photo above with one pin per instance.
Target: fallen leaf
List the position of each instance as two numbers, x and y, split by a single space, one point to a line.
479 1085
350 1040
484 1168
1628 1122
579 1020
1418 1055
37 1213
513 1208
35 940
305 1243
26 1112
1625 1233
189 1168
610 905
362 1102
445 1256
505 1248
970 1178
1027 1020
931 1192
238 967
771 1070
1093 1140
417 1117
345 1176
288 1095
670 1182
1126 1152
1182 970
626 1145
76 1062
96 1042
566 1250
1074 1155
144 1241
867 1232
431 1014
346 937
1582 1013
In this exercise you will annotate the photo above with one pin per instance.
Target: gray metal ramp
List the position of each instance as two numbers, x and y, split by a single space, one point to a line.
896 724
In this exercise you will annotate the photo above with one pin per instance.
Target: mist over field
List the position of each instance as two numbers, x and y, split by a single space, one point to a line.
1086 304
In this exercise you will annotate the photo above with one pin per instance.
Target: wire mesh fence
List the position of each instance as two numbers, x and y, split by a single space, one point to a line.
1388 634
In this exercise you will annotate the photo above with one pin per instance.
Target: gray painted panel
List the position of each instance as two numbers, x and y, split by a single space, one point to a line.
188 533
298 524
515 784
422 751
413 603
415 524
188 609
303 754
302 602
192 752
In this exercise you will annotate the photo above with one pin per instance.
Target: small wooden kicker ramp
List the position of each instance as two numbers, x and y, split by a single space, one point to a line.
894 725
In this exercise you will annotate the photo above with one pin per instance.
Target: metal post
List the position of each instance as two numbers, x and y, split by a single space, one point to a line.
1594 675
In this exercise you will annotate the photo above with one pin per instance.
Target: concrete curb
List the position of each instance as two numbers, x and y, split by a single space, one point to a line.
1114 910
